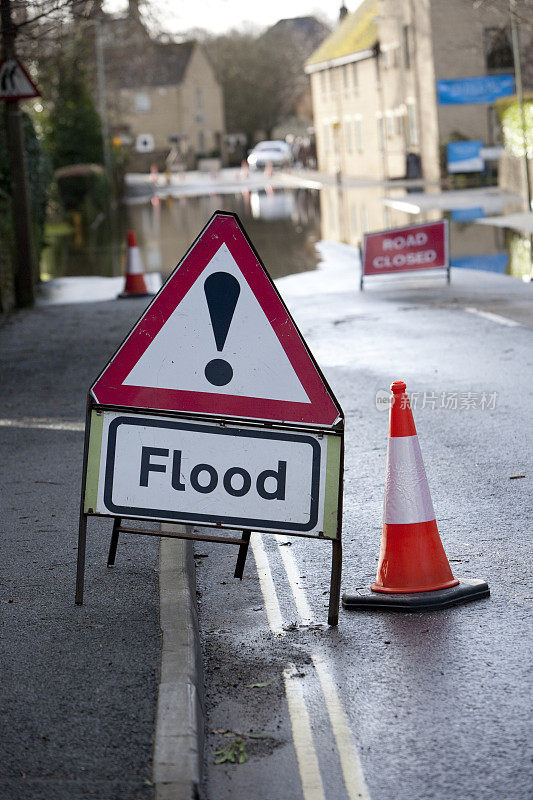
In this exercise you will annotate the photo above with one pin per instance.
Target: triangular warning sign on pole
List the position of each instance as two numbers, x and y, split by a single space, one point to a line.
218 340
15 83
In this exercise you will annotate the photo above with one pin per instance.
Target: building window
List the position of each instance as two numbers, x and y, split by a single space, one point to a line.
359 134
201 142
390 124
406 47
199 98
355 77
498 49
413 128
398 123
390 57
345 82
381 134
142 102
348 135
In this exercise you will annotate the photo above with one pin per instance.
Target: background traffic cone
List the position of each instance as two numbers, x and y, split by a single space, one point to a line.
135 285
413 571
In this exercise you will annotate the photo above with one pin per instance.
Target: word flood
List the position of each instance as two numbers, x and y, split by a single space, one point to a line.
204 478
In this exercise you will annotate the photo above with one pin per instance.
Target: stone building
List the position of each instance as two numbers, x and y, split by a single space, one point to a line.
160 93
374 83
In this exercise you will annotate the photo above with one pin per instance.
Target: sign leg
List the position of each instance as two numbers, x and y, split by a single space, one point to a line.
335 587
243 552
80 573
114 542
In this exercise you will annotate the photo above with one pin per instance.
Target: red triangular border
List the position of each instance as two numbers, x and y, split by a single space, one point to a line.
8 97
223 228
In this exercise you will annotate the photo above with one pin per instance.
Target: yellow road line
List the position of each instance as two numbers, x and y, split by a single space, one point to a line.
293 575
348 756
266 582
312 786
350 763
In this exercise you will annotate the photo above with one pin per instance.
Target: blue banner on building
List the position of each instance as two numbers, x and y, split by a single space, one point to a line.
484 89
465 156
467 214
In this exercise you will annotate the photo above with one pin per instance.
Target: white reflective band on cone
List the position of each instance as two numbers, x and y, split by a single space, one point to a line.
407 497
135 264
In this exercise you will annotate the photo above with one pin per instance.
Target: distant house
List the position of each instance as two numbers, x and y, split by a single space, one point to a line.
161 93
374 84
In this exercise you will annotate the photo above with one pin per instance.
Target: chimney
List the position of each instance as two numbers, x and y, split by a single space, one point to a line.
343 12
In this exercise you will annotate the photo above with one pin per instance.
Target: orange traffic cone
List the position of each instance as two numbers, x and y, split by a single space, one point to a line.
413 571
135 285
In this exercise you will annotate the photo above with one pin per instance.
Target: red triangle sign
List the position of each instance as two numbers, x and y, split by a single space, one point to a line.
218 340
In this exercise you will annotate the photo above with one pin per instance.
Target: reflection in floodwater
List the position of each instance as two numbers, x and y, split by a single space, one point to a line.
348 213
283 226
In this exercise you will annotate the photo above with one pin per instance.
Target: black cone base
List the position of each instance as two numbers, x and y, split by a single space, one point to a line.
126 296
368 600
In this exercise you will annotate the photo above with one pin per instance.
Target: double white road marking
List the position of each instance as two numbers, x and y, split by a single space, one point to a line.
308 763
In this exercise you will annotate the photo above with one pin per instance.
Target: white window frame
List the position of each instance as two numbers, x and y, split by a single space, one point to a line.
358 123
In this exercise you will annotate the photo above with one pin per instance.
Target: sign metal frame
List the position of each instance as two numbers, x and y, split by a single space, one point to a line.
185 531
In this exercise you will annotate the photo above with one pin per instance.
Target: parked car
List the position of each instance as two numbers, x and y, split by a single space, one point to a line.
277 153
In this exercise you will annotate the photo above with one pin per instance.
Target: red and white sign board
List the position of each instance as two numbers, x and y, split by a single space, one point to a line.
416 247
15 83
218 340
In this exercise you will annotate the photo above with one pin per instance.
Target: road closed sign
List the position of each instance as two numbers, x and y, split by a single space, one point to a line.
417 247
175 470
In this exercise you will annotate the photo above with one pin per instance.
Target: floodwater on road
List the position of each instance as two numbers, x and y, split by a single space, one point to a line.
283 225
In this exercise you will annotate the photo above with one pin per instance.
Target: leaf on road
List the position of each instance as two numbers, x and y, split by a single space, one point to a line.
259 685
234 752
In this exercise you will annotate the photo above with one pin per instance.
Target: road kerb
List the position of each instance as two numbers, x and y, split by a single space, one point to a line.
179 730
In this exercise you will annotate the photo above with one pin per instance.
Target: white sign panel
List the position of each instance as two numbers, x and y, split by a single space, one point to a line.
205 472
177 356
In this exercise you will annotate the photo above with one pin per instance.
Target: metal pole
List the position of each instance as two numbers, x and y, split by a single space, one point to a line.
25 273
520 95
102 104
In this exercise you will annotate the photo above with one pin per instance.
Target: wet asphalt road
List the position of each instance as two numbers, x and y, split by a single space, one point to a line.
436 703
433 705
79 684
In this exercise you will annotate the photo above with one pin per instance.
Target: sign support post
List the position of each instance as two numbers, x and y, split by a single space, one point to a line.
16 85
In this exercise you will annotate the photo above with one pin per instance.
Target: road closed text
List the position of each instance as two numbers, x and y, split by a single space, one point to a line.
417 247
194 471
